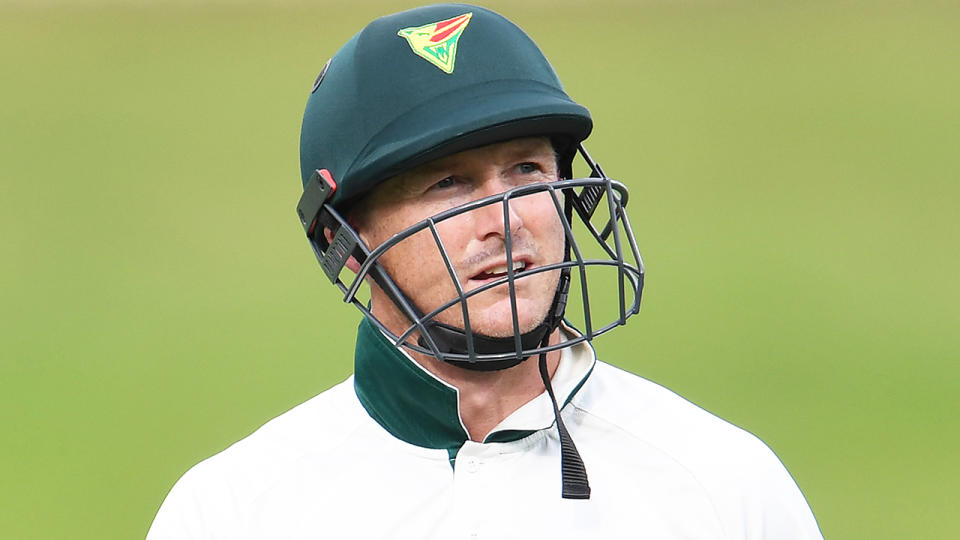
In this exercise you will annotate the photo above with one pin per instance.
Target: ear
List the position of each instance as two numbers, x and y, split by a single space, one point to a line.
352 263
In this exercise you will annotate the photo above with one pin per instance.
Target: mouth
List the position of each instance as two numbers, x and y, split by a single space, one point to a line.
500 271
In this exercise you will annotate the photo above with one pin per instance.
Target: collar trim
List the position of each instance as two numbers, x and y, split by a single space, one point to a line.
417 407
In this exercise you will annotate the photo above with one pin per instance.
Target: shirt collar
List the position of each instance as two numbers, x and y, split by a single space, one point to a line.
416 406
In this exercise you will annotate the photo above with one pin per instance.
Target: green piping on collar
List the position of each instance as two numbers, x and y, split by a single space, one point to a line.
410 402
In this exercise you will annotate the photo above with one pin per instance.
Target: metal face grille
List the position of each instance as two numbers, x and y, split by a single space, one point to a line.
601 265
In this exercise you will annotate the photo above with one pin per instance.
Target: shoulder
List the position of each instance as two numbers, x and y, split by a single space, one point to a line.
319 424
749 488
658 416
216 490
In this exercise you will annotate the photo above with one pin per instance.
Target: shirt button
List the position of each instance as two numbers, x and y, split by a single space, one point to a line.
474 536
472 466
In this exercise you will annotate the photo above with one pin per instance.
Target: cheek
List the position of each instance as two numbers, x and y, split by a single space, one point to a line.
546 226
455 233
416 265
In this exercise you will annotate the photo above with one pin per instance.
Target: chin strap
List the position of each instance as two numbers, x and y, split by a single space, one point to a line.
452 339
574 473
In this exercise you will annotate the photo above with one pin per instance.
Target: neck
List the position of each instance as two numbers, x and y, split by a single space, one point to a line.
488 397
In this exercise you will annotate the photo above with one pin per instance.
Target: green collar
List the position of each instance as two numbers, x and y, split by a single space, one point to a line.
419 408
407 400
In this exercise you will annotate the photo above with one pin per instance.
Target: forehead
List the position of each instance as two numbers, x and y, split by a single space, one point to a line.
490 154
503 153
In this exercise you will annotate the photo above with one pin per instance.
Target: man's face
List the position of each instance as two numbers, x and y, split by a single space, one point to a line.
474 241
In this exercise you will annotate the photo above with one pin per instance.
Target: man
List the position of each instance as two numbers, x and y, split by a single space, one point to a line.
437 157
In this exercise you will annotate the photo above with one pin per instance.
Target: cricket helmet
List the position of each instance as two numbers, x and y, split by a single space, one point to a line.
426 83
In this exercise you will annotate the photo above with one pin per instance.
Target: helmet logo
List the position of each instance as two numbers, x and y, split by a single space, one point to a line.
437 42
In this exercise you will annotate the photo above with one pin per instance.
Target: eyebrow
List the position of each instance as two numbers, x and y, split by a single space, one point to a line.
529 148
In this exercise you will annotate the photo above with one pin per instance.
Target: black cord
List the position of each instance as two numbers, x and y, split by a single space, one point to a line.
574 473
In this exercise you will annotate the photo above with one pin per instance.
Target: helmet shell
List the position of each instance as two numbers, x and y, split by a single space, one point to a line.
380 108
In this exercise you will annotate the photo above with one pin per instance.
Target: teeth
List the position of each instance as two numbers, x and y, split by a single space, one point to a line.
503 269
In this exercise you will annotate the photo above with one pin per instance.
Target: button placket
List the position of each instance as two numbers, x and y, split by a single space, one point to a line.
472 489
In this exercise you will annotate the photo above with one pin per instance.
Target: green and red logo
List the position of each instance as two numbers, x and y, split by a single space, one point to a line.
437 42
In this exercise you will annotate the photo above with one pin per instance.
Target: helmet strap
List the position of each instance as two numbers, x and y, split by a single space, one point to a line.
572 470
450 339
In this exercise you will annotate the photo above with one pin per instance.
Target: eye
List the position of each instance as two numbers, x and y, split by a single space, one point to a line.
528 168
445 183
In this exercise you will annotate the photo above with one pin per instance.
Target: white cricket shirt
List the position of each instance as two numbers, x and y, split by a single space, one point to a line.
384 455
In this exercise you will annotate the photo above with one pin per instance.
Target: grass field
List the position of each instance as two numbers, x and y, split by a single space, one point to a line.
794 174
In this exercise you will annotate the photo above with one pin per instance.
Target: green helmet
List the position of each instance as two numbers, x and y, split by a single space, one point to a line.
425 83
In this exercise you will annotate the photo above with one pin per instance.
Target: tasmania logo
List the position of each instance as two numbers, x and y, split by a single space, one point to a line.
437 42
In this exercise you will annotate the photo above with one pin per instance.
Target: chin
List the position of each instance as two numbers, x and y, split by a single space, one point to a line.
497 320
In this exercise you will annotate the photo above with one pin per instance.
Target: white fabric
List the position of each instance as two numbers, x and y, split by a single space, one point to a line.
659 468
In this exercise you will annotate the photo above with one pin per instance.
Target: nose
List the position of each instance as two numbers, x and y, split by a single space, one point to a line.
491 220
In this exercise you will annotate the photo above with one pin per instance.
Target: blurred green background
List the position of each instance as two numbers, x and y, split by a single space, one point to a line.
794 175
